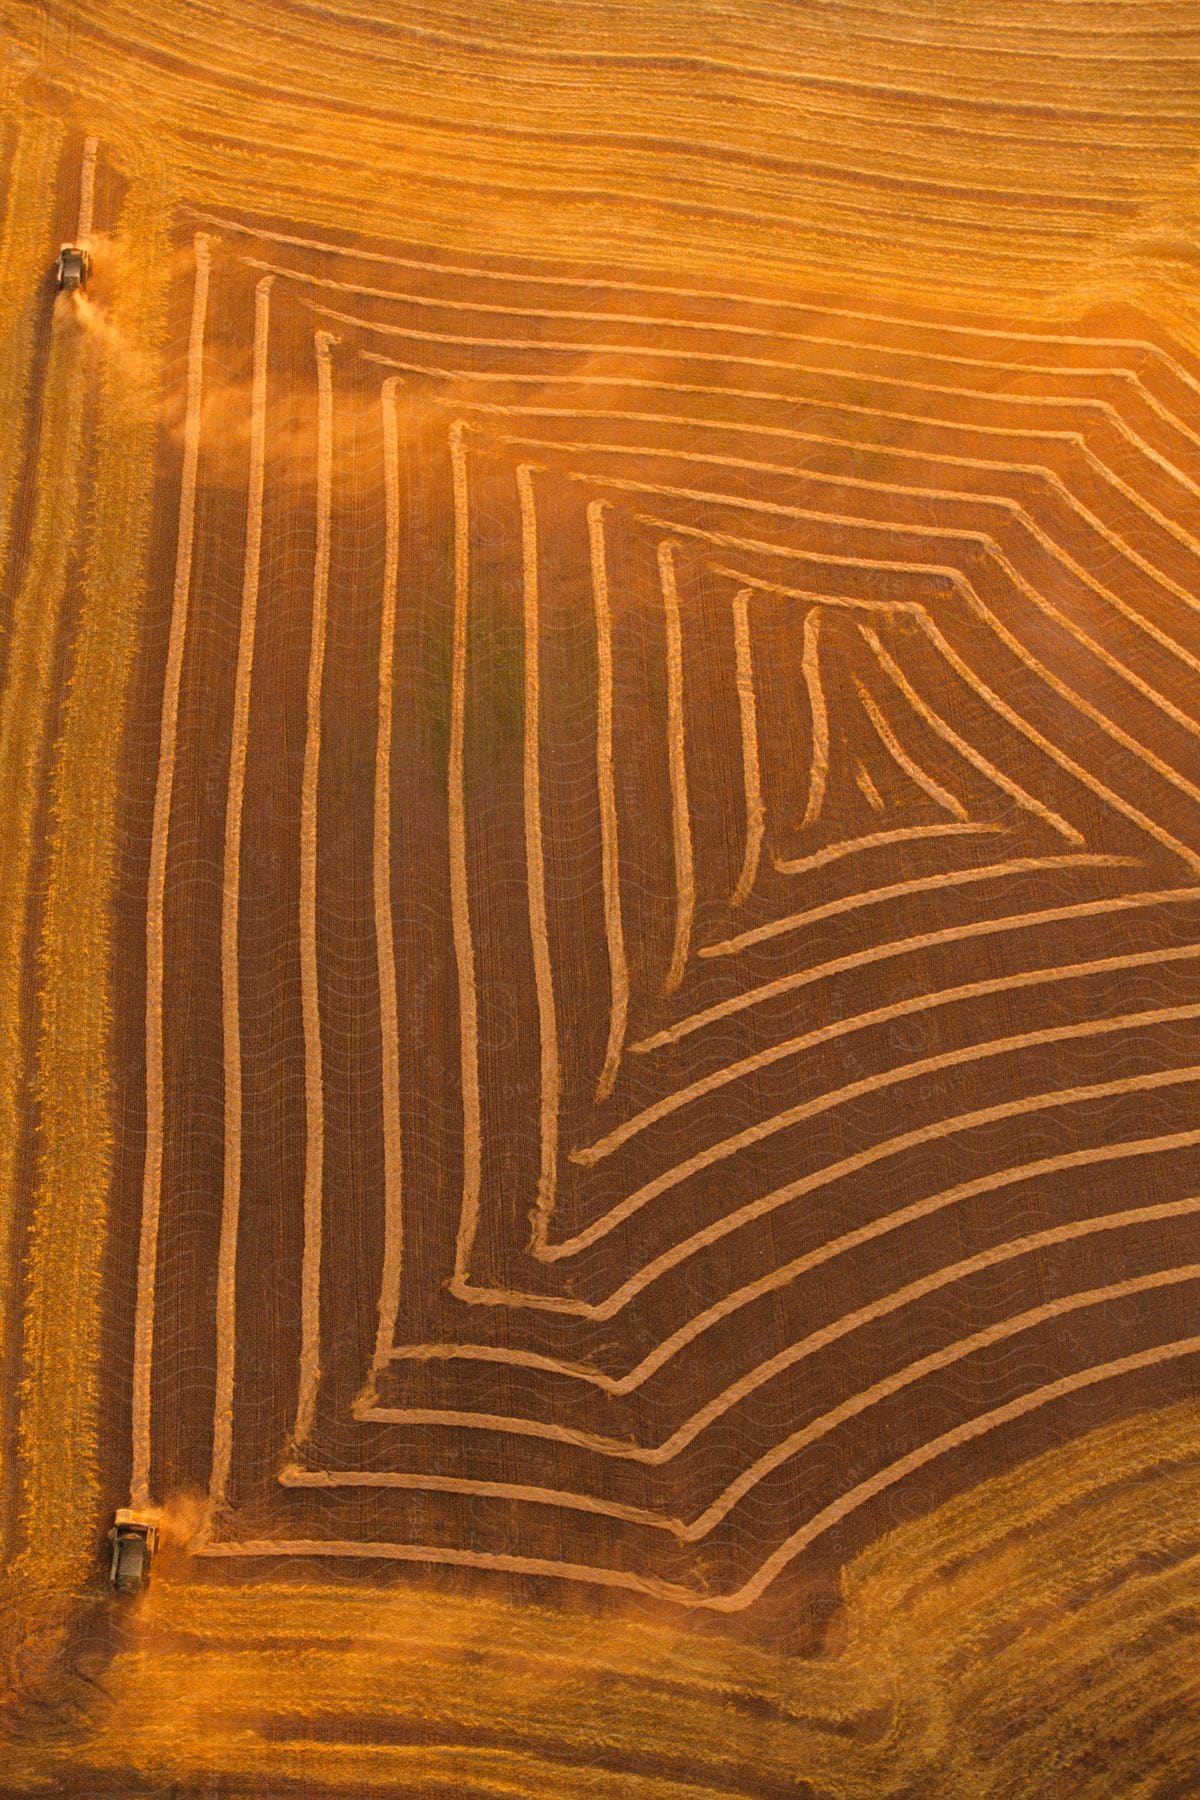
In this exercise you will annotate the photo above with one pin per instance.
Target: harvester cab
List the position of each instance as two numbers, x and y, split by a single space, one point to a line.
134 1539
72 269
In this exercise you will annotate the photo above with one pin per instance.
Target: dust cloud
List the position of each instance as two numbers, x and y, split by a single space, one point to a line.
180 1520
130 364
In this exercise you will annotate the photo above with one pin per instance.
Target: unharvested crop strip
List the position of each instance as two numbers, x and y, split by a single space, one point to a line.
87 190
404 1656
681 823
898 890
962 746
818 767
877 840
925 940
753 1210
143 1332
231 1024
1071 440
327 169
904 762
1010 1325
979 607
33 637
610 868
385 946
831 308
842 479
756 1585
314 1098
1099 408
32 632
954 535
460 902
61 1415
748 721
24 242
535 863
794 1271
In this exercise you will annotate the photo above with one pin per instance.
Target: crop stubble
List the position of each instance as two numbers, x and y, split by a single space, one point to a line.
652 822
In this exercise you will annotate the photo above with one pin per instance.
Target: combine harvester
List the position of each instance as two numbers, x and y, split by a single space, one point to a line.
72 269
134 1539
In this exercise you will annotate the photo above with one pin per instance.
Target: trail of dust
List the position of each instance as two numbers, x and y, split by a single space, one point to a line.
291 450
184 1521
101 326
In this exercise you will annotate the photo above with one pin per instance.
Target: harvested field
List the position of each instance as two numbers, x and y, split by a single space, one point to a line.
599 921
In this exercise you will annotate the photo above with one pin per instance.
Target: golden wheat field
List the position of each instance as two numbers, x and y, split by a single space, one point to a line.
599 878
